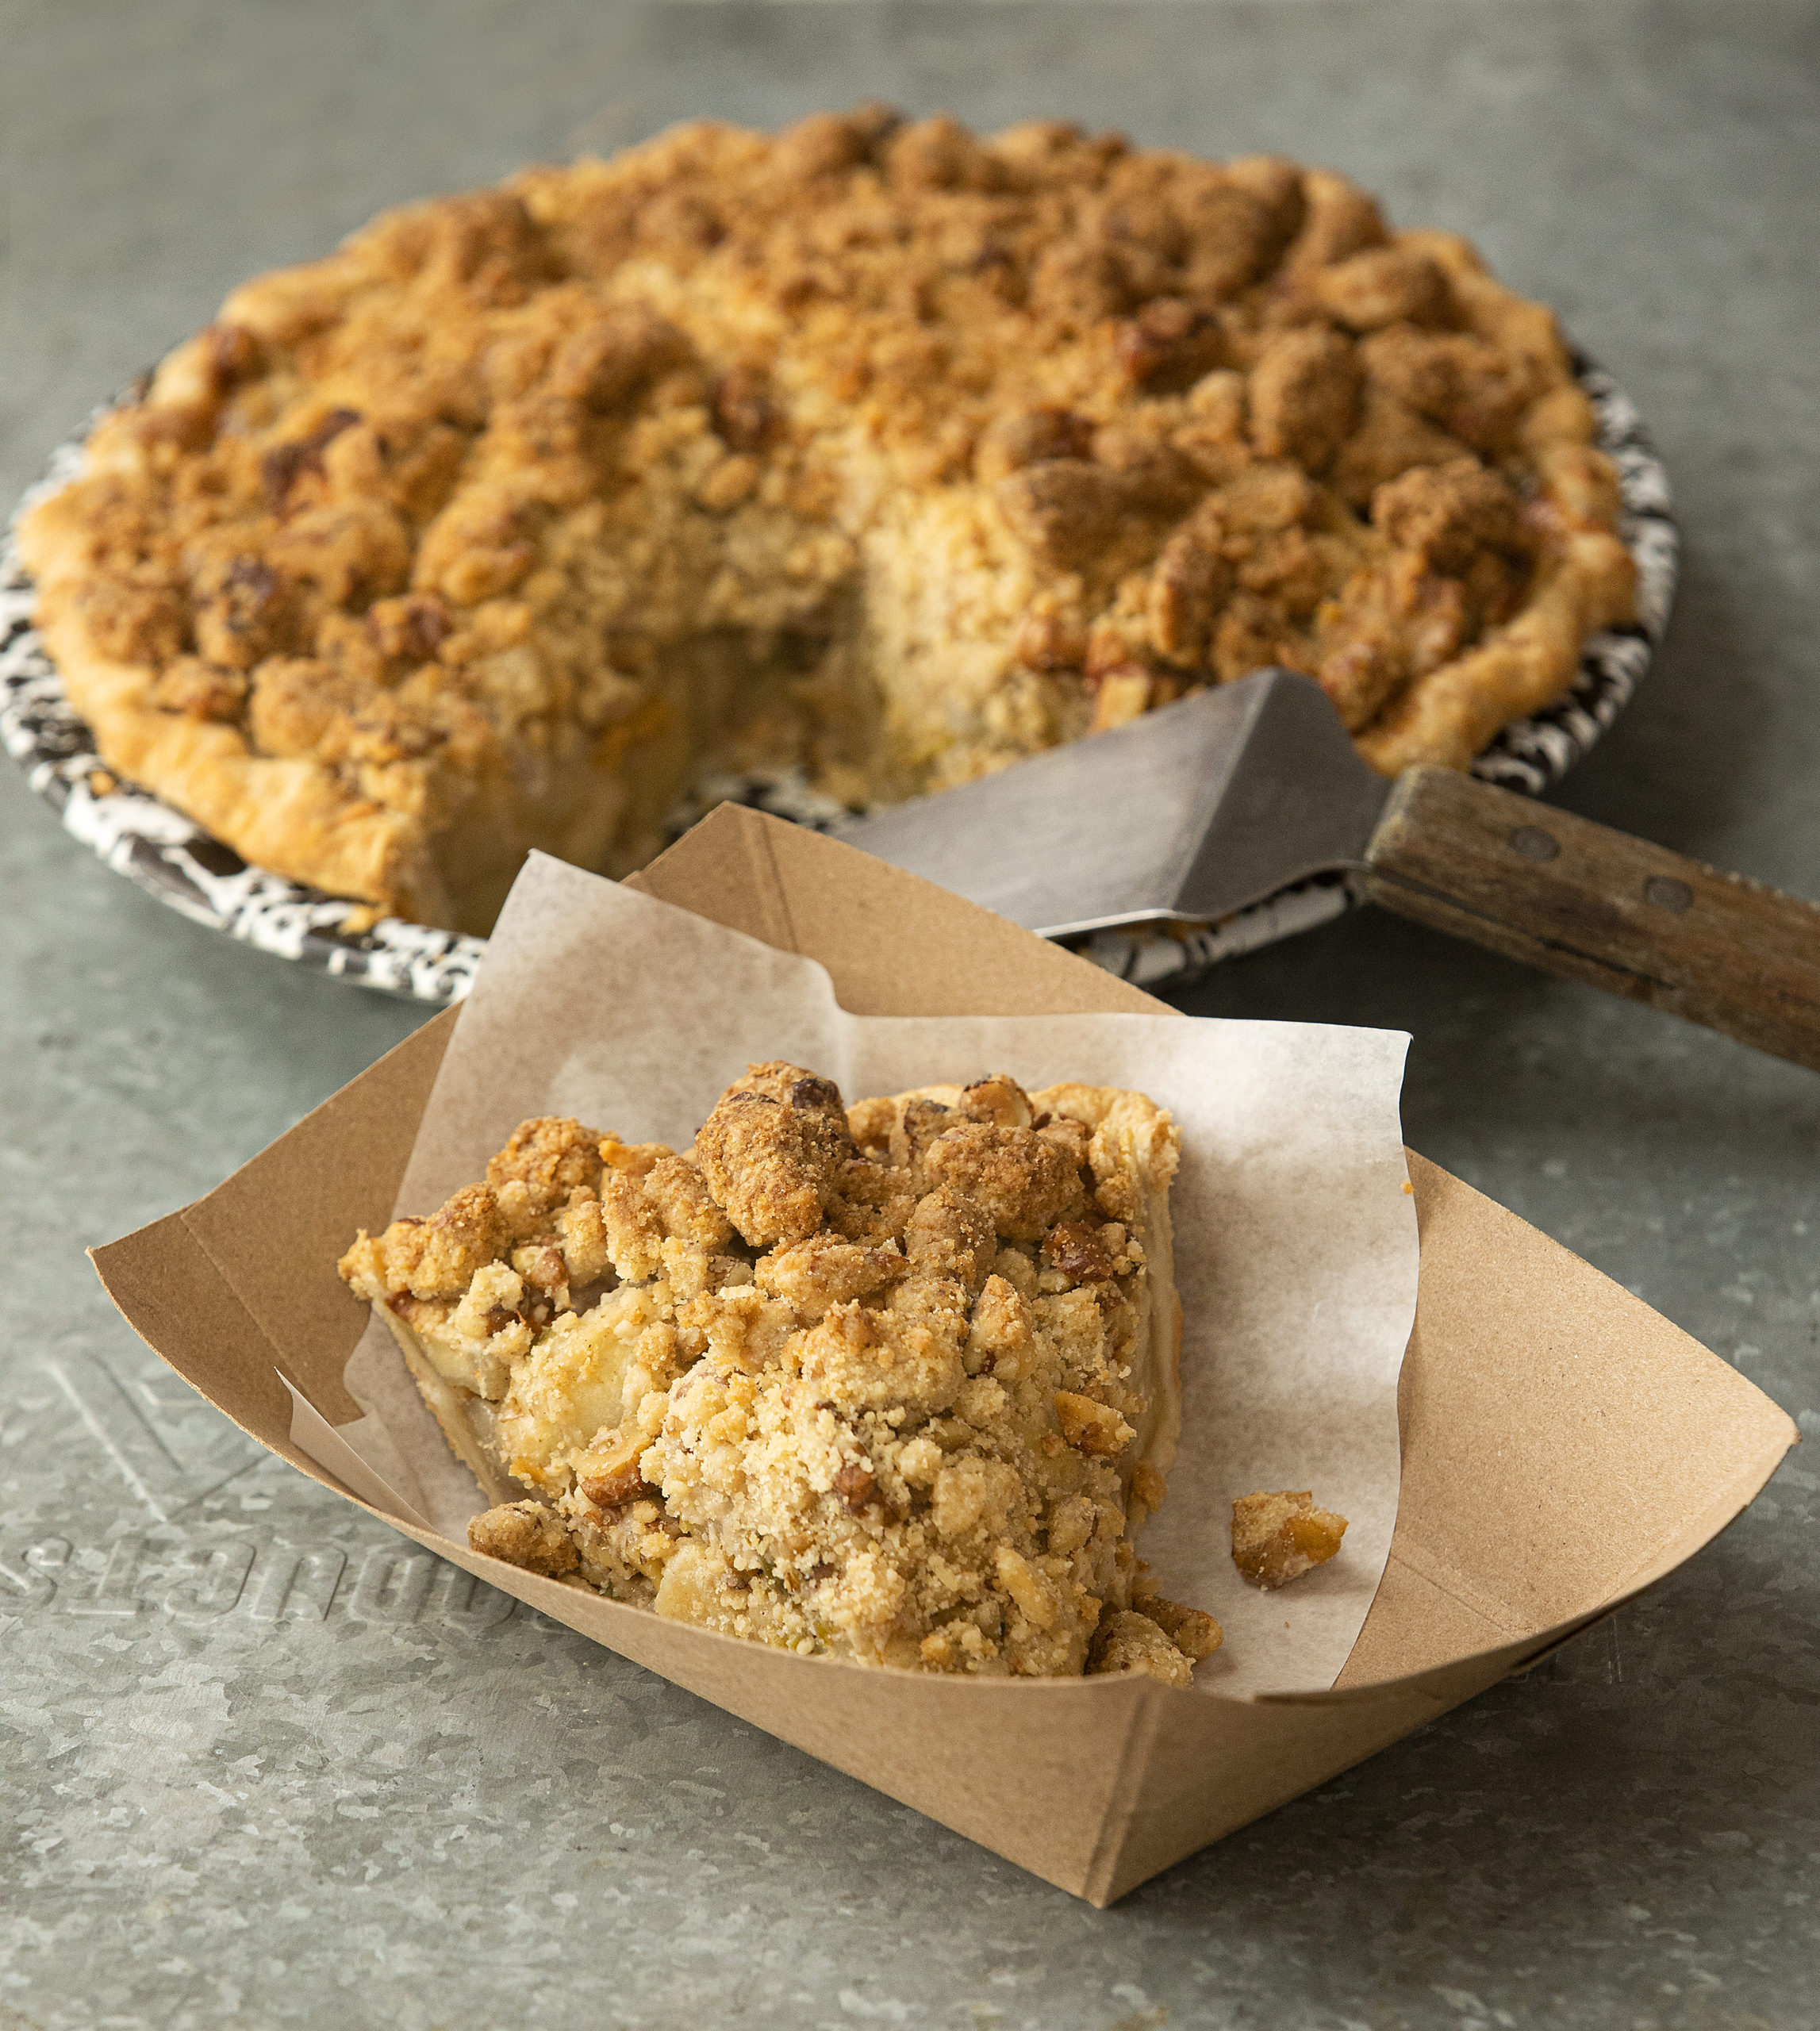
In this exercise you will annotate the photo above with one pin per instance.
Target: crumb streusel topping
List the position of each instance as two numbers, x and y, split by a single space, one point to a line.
872 447
897 1383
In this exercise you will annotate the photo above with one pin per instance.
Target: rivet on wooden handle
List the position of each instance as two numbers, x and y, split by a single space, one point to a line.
1588 903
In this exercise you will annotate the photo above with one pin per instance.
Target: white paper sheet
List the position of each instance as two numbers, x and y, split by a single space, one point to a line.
1295 1235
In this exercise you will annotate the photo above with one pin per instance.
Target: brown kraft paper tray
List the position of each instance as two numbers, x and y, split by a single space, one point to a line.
1563 1445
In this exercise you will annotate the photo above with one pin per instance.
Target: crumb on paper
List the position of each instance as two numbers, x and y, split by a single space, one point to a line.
1278 1537
1128 1642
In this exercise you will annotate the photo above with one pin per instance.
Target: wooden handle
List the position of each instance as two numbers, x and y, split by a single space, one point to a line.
1589 903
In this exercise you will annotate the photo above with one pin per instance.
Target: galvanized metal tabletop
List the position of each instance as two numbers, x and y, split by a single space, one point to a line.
262 1764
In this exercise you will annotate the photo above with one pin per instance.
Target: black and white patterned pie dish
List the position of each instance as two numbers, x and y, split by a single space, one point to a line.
184 867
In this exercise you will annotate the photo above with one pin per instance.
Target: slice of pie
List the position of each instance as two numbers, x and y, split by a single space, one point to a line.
871 451
898 1383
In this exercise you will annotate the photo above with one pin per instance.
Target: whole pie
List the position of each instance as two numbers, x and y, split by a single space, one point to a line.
898 1384
871 452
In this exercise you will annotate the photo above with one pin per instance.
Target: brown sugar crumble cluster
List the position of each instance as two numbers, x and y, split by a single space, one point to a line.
1276 1539
872 449
897 1383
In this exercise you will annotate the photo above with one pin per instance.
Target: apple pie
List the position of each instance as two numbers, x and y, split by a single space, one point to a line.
873 451
897 1383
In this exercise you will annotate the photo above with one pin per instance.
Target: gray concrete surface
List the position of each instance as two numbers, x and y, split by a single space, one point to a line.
233 1797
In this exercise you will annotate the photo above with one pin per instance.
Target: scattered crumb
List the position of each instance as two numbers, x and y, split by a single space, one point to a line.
1276 1539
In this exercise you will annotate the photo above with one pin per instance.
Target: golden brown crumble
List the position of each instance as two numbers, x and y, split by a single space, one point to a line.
897 1385
1276 1539
872 447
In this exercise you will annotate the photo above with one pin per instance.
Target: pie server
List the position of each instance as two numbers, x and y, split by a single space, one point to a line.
1194 811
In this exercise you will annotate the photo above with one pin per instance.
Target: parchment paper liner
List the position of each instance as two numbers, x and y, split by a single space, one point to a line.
1296 1249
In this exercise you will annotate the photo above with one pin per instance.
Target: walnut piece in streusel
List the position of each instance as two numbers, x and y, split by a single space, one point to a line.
897 1383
